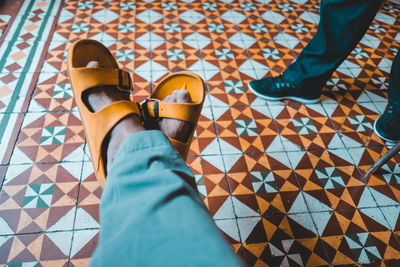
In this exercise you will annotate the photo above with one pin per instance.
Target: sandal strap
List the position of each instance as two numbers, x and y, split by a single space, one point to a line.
157 109
100 123
179 146
92 77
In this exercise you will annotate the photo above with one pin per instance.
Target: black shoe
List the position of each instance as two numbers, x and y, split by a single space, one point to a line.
387 126
278 88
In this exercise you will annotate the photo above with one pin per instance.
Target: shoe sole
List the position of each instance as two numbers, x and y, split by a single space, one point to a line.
380 136
295 98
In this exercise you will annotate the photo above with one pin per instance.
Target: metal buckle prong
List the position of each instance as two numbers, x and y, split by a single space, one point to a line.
155 109
121 81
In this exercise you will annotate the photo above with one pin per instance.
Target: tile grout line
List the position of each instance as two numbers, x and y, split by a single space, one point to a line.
22 77
80 182
277 130
218 141
8 148
76 206
50 232
17 127
366 187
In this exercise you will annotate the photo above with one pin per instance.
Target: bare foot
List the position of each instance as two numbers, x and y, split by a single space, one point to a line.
100 97
177 129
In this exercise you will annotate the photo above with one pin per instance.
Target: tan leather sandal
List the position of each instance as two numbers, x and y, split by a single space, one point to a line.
154 109
98 124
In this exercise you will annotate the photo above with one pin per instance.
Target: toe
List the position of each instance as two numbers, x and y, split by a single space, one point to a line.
172 97
174 128
167 98
93 64
182 96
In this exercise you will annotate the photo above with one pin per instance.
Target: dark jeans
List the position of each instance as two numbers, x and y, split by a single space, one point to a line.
342 25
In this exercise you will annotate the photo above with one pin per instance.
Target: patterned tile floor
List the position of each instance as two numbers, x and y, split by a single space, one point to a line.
283 181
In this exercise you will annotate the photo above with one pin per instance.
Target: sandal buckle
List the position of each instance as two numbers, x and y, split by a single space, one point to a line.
121 81
155 109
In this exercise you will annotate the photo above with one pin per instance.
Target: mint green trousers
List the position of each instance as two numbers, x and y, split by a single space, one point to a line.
150 213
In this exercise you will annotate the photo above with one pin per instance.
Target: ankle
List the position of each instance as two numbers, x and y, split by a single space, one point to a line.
127 126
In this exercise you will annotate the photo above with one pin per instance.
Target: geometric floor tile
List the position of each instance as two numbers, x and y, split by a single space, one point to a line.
304 126
263 182
363 248
330 178
38 195
246 128
53 249
391 173
229 228
81 240
287 253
